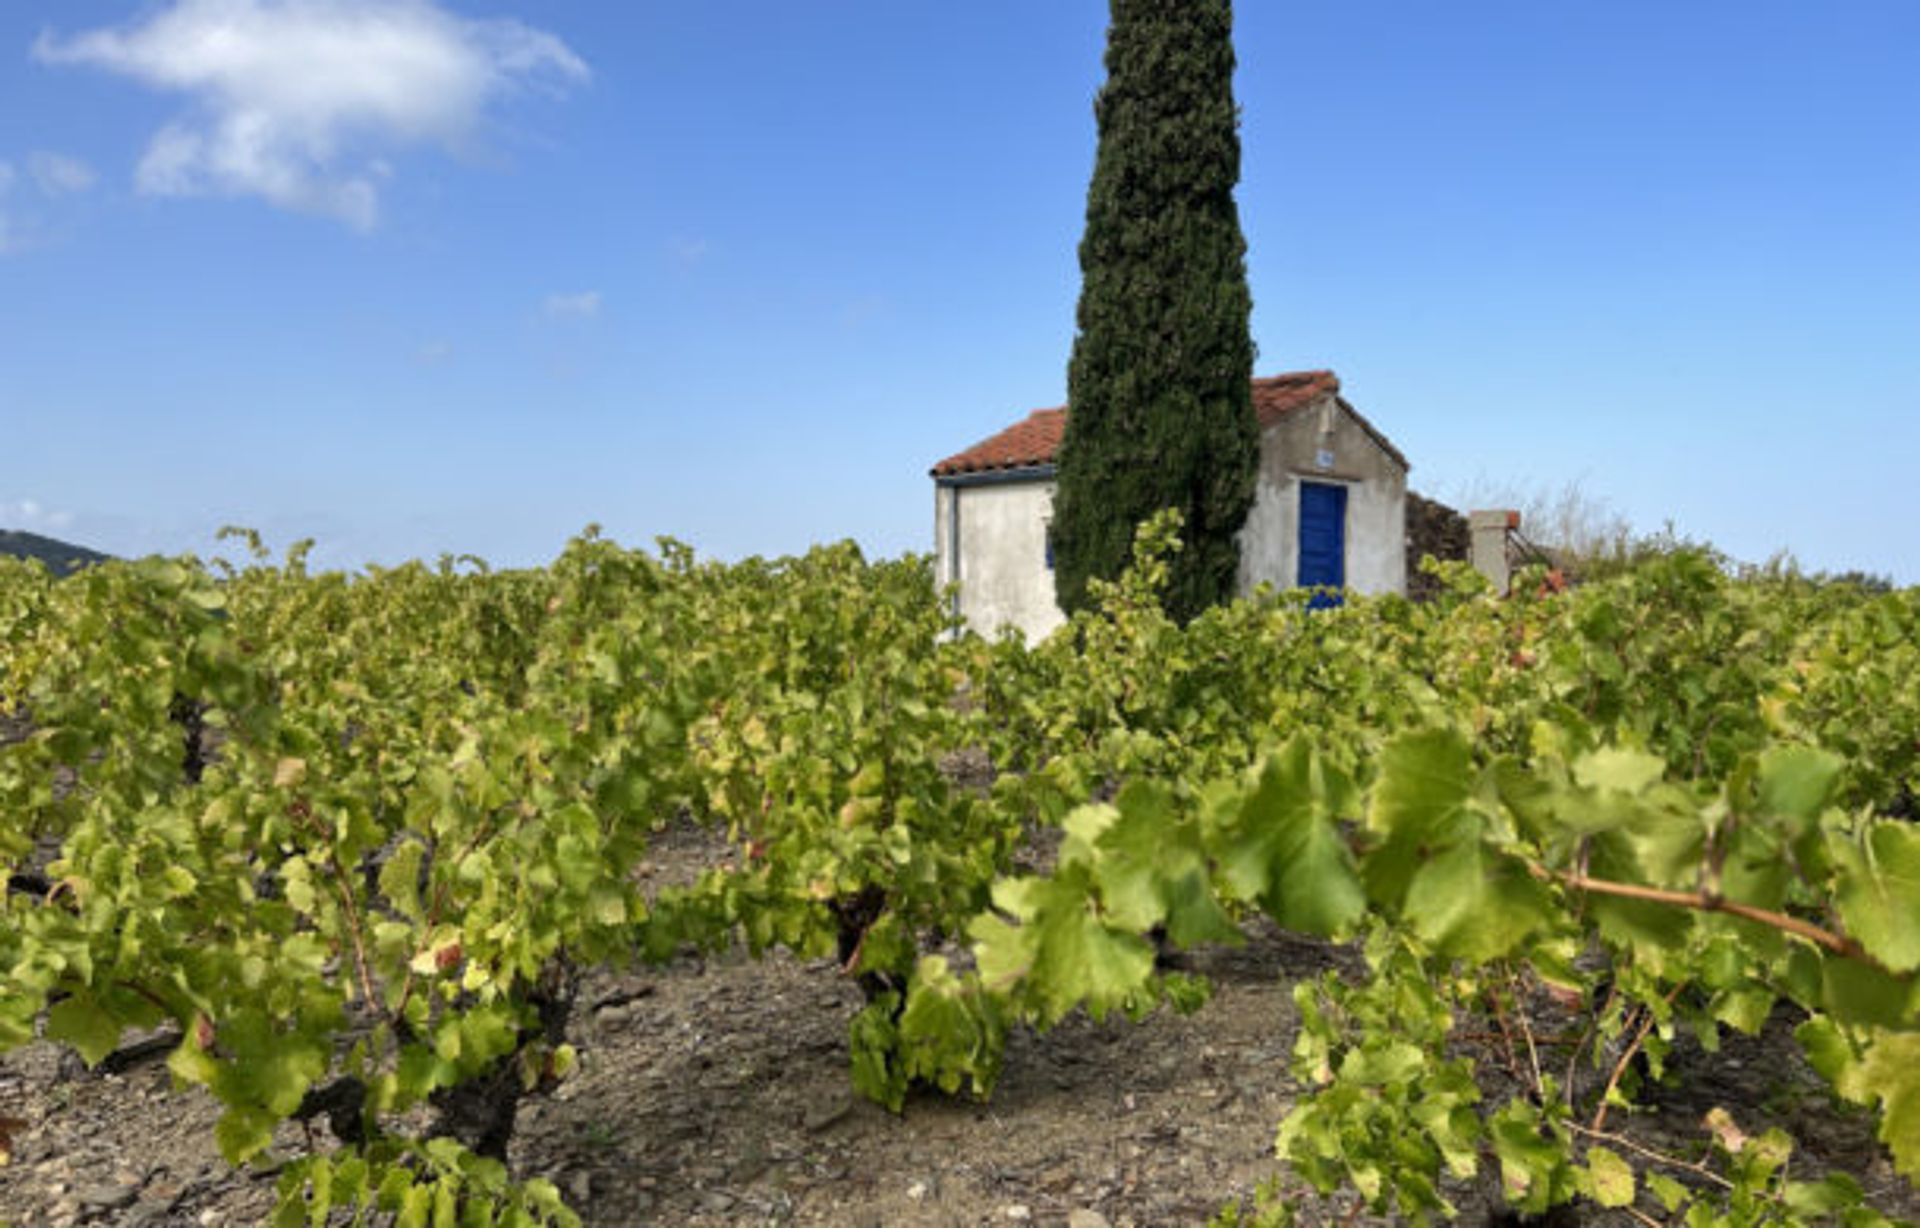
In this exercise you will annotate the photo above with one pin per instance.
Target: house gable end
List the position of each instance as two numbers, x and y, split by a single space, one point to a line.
1331 422
993 502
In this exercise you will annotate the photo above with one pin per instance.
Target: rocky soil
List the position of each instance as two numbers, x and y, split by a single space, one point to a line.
716 1092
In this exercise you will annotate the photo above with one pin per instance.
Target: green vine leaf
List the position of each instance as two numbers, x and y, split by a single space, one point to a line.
1063 954
1889 1072
1878 894
1418 808
1275 843
1609 1179
1475 903
83 1023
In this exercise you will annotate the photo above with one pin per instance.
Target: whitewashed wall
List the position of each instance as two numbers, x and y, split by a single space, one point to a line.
1376 528
1002 561
1000 526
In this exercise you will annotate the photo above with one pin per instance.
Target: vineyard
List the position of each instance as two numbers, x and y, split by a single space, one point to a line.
361 855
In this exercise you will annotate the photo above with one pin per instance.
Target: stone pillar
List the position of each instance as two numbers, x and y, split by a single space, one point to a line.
1489 531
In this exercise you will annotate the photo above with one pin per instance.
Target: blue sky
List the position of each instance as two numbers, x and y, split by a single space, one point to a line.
412 276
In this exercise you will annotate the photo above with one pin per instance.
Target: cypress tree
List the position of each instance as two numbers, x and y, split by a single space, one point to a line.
1160 413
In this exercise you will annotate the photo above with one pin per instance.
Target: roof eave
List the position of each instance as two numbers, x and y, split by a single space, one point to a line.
995 477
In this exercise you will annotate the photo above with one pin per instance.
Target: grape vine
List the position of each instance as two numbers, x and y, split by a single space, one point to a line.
347 844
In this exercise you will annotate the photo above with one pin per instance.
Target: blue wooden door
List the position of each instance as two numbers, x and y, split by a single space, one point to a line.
1323 539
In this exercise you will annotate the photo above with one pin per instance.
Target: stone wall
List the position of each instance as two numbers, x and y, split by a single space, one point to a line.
1436 529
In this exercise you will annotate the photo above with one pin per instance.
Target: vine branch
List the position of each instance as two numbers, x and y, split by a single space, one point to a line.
1701 901
1648 1019
1647 1153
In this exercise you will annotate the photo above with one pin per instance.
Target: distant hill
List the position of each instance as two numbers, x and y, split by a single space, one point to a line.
60 557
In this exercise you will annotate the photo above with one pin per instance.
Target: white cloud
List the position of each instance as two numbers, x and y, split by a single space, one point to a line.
294 96
59 174
22 225
573 306
30 515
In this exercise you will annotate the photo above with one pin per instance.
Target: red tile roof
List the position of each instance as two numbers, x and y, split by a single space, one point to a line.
1023 445
1034 441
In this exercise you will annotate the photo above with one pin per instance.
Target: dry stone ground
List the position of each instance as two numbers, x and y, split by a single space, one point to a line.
715 1092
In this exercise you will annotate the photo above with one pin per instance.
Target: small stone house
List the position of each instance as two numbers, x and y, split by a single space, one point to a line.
1329 507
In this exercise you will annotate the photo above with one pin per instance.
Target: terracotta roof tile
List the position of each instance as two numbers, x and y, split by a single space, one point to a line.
1029 442
1276 396
1034 441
